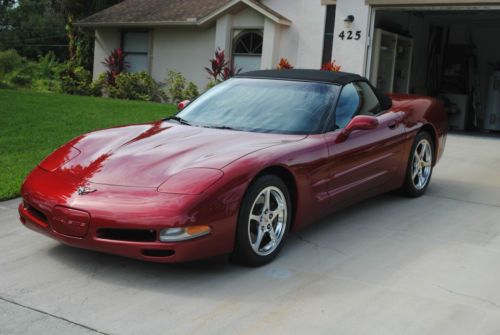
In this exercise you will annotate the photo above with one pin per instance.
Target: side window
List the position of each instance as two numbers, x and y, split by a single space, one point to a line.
355 99
347 107
370 104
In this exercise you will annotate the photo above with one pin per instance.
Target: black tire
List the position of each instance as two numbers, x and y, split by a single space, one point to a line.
244 253
409 189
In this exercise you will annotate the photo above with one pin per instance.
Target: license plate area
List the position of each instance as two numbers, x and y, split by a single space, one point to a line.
70 222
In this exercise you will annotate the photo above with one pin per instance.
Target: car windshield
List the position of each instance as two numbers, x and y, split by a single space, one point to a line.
263 105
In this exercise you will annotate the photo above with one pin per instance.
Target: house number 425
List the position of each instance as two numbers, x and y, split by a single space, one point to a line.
350 35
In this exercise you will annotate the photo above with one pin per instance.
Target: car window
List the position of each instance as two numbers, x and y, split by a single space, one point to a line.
355 99
347 106
370 104
263 105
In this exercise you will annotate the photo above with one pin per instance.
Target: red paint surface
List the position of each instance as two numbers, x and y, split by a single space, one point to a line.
204 173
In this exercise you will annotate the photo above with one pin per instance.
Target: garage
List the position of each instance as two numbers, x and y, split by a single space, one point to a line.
448 52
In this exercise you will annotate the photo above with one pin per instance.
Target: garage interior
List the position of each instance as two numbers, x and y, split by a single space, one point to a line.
449 53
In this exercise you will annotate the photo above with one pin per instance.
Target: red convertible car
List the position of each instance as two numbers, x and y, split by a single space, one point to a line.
257 156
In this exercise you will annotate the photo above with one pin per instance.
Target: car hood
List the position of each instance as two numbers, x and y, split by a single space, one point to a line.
148 154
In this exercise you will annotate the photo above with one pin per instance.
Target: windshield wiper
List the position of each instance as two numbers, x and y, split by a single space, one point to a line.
221 127
179 119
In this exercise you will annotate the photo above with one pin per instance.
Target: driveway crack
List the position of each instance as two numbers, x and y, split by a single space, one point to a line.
52 315
489 302
317 245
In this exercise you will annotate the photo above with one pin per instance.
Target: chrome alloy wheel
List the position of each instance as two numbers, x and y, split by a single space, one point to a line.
267 221
421 167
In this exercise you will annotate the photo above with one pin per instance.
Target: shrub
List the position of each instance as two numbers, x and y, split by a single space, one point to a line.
178 88
135 86
46 85
211 83
115 64
75 80
14 69
43 75
284 64
48 67
191 91
331 66
221 68
9 62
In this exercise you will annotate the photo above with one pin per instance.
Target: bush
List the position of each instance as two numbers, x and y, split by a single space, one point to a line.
284 64
135 86
48 68
76 80
15 71
179 89
46 85
9 62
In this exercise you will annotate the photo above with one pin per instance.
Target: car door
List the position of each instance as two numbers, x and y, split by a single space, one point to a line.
363 163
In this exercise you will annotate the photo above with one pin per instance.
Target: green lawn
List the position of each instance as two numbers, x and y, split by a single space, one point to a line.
33 124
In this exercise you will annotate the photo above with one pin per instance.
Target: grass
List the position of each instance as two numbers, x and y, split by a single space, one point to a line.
32 125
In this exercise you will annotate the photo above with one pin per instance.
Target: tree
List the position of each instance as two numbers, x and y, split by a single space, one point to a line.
34 27
81 8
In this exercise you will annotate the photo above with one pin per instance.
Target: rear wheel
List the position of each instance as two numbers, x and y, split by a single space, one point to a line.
263 222
419 170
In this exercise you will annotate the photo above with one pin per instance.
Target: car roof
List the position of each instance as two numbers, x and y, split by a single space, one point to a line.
340 78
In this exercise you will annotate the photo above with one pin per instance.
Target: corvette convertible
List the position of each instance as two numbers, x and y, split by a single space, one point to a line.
237 169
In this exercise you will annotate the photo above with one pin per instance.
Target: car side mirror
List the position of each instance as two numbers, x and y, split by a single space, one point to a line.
360 122
183 104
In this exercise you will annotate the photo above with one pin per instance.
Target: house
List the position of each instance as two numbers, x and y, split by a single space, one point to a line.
183 34
434 47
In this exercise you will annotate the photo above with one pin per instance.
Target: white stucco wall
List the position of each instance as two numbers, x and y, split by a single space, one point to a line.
302 42
106 40
248 19
186 50
351 54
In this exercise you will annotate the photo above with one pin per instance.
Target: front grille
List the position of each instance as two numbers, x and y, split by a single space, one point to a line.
36 213
130 235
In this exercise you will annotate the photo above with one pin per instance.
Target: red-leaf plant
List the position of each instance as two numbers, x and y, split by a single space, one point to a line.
331 66
217 64
284 64
229 71
221 68
115 64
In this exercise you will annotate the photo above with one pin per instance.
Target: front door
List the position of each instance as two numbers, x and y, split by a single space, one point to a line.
364 163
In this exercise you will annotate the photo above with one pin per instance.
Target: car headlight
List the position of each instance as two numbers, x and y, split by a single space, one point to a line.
59 157
183 233
191 181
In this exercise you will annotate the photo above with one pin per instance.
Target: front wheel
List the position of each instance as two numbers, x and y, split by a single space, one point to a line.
263 222
419 170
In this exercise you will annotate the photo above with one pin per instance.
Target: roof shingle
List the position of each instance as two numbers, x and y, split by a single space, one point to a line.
150 12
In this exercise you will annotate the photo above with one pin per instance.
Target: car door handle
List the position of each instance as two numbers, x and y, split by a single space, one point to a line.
393 124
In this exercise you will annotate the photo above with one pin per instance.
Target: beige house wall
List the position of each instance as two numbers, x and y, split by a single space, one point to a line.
106 40
186 50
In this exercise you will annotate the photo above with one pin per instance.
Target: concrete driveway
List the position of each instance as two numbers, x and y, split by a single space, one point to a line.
389 265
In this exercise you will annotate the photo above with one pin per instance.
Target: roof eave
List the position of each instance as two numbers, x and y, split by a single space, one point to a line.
191 22
228 6
136 24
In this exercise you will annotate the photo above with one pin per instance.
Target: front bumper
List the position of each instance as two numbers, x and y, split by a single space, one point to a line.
119 209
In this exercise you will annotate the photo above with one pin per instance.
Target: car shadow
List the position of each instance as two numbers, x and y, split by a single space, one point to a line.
300 252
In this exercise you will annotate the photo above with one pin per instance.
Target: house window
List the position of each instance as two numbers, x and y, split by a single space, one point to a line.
247 50
136 46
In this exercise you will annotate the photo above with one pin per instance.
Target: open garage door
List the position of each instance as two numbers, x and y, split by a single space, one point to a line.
442 51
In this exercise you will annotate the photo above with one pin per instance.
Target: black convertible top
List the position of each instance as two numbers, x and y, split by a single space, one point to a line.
340 78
